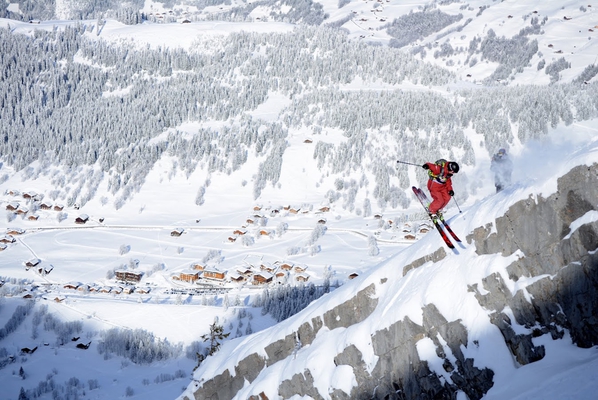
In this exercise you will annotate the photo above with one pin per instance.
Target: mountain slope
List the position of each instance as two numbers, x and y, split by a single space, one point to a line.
438 322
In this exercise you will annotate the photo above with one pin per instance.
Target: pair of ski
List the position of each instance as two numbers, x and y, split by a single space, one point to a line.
423 199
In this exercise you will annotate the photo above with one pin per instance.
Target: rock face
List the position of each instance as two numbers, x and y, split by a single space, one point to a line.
564 297
567 297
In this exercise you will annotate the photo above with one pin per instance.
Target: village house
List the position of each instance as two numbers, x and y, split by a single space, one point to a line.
22 210
265 266
237 278
128 289
177 232
300 268
128 276
81 219
245 271
286 266
72 285
32 262
45 206
262 278
189 276
214 275
12 206
7 239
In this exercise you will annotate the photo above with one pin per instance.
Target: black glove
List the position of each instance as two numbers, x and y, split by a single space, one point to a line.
451 193
425 166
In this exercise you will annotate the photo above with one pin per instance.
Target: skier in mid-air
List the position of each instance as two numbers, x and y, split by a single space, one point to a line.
440 184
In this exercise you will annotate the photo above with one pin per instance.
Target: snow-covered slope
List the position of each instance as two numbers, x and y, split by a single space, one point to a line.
400 288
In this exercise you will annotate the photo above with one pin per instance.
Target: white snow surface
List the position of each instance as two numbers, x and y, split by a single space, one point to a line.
86 253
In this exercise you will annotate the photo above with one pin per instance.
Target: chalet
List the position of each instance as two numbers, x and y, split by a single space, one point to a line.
197 267
12 206
7 239
407 228
83 288
308 141
286 266
143 290
424 228
353 275
177 232
45 206
302 278
257 208
105 289
264 232
32 262
59 299
81 219
28 295
250 221
281 277
29 195
2 246
128 276
322 221
117 290
245 271
189 276
13 192
293 210
185 21
378 216
409 237
43 271
239 232
300 268
22 210
231 239
236 277
15 231
324 209
72 285
268 267
83 346
33 217
214 274
58 207
93 288
128 289
567 18
262 278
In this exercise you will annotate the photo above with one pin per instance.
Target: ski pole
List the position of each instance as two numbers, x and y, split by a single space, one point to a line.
457 204
408 163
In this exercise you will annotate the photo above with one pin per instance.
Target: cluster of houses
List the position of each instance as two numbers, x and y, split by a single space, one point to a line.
261 273
259 214
33 198
128 279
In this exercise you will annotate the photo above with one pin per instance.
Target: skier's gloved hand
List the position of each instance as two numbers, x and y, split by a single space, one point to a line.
451 193
425 166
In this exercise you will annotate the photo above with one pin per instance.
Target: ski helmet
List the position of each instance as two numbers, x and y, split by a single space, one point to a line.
453 167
